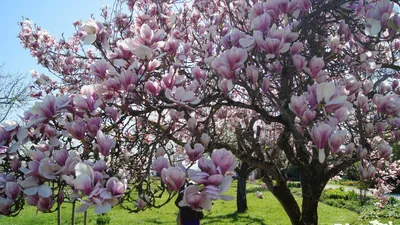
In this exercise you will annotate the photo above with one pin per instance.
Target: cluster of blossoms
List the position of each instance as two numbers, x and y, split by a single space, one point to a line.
277 82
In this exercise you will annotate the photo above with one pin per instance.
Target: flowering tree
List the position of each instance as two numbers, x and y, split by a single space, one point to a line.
309 83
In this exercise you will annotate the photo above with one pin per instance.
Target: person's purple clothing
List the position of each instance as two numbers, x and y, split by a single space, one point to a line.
191 222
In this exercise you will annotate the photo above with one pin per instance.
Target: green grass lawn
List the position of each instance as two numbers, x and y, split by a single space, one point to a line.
266 211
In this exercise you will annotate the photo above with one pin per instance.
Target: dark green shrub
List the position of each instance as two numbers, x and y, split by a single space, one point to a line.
293 184
103 220
353 172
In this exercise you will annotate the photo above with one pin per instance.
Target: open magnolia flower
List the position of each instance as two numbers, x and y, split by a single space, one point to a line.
89 31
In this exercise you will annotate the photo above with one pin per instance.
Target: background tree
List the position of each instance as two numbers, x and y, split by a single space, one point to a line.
14 93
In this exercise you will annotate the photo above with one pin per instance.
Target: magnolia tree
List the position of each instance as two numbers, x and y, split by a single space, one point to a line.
170 86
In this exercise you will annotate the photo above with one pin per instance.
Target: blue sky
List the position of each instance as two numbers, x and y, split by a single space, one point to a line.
55 16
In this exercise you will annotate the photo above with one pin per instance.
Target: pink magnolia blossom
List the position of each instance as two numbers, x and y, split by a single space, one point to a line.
141 202
89 31
320 134
362 152
88 99
381 127
12 190
152 87
232 39
272 45
5 206
194 153
99 68
173 177
199 74
104 144
252 179
385 150
207 165
192 124
229 61
159 164
327 94
49 169
205 139
263 186
224 160
143 52
116 187
128 79
181 96
225 86
50 105
160 152
336 140
342 114
265 85
252 74
297 47
367 173
315 67
259 195
77 128
350 149
299 62
389 104
369 129
195 200
261 23
298 105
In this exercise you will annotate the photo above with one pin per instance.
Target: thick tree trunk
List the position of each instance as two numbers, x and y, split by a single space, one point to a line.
241 199
313 182
309 210
288 202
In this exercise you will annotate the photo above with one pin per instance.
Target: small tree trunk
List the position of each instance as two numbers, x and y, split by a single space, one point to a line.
59 215
241 199
85 217
73 213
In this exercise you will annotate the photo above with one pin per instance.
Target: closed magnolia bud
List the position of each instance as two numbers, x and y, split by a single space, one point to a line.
369 129
384 150
15 164
252 74
60 198
367 86
299 62
265 85
205 139
395 84
362 152
381 127
160 152
191 124
349 149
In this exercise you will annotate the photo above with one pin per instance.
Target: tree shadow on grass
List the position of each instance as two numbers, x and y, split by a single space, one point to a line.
233 218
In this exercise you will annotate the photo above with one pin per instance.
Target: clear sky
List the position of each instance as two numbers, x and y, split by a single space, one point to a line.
55 16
